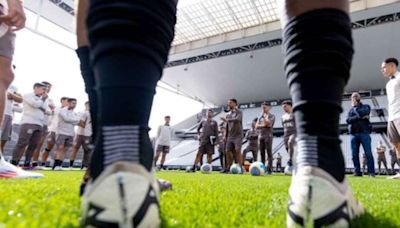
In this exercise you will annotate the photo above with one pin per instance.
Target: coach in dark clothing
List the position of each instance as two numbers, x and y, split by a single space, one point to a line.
360 129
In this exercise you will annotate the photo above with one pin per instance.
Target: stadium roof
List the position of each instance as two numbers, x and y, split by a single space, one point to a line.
220 40
196 19
213 17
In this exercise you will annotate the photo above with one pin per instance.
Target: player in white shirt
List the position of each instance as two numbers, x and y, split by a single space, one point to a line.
31 124
83 138
164 135
67 119
6 127
51 136
390 70
48 113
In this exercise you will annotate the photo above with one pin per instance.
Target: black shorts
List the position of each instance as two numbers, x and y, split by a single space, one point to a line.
206 148
163 149
84 141
234 144
64 140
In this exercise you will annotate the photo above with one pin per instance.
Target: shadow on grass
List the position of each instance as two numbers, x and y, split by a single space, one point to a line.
367 220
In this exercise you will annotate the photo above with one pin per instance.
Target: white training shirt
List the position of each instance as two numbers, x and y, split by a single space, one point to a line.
48 112
87 131
164 135
8 109
67 119
393 95
34 108
53 120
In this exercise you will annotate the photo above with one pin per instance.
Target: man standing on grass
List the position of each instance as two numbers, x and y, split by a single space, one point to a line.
35 106
389 70
208 136
252 139
289 129
164 135
83 139
360 130
67 120
234 134
278 162
364 163
48 112
51 136
265 127
221 147
380 152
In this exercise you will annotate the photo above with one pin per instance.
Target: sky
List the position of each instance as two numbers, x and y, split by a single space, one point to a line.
40 59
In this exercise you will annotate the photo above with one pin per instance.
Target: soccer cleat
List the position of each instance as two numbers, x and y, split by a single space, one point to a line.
319 200
8 170
288 170
58 168
395 177
124 195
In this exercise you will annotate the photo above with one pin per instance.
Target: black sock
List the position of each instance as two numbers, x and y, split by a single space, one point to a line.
90 85
43 163
130 41
14 162
35 163
71 163
319 49
57 163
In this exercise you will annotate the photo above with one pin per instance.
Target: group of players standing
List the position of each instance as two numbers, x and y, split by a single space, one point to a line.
42 121
230 136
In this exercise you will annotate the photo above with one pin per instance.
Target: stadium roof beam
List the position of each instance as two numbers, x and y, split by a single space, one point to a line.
199 30
233 15
210 16
259 18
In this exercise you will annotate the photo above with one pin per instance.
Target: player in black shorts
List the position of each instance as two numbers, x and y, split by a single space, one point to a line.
234 134
252 139
289 129
278 159
208 137
265 125
221 147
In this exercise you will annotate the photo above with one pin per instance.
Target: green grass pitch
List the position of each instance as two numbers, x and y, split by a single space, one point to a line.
197 200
